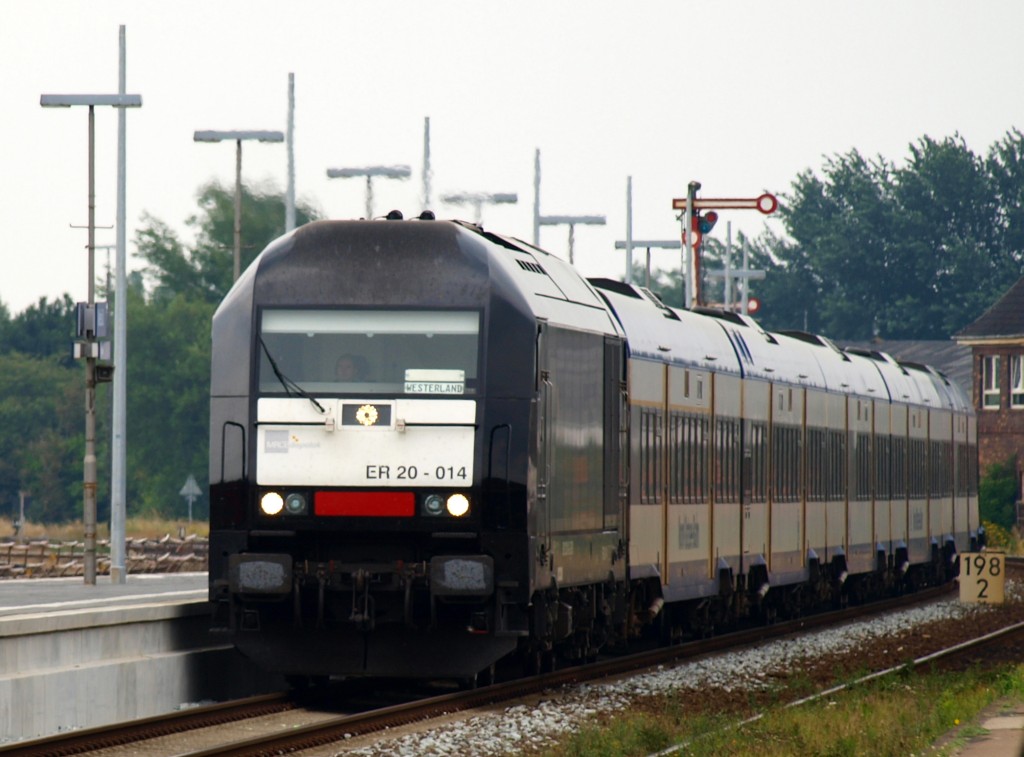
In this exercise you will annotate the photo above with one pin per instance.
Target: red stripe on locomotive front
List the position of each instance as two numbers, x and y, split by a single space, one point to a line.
365 504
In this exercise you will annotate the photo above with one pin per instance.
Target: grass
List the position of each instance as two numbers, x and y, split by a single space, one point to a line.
901 715
135 528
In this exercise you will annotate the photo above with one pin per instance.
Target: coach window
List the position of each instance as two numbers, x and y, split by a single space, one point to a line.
990 381
1017 381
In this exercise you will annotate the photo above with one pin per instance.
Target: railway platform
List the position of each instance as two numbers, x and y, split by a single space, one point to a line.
1002 733
76 656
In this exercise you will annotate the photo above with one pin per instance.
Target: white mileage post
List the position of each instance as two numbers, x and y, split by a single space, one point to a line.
982 577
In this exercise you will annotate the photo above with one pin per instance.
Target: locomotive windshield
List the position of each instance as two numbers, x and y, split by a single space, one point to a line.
369 351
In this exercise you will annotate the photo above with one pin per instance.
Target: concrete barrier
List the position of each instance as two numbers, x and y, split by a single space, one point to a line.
89 667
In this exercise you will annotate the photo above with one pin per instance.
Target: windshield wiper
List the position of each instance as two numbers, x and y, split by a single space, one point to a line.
290 387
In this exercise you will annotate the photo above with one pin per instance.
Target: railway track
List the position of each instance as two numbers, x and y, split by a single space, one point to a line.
231 728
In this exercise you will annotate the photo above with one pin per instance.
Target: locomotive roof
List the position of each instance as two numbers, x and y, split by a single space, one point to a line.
430 262
554 290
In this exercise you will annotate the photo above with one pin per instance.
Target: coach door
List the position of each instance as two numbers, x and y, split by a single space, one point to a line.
861 511
688 513
940 474
575 410
540 517
786 476
648 556
756 410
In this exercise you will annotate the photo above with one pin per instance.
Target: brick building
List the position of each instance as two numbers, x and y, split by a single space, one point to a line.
996 340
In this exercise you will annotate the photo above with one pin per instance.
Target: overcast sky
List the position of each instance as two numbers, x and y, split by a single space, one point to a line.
740 96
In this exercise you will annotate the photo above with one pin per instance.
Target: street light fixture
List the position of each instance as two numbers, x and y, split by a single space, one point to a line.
571 222
91 347
631 244
370 172
238 137
478 199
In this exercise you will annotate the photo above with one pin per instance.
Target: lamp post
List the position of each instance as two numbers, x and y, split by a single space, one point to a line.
238 137
478 199
571 222
370 172
662 244
91 347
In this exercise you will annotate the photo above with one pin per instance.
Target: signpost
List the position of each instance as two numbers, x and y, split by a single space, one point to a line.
982 577
190 491
691 205
748 305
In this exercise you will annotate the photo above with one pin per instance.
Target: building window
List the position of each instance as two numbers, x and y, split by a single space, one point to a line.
1017 381
990 381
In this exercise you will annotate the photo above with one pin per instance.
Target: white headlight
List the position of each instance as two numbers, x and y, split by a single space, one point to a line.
458 505
272 503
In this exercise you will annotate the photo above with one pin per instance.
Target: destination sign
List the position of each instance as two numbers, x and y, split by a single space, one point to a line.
423 387
434 381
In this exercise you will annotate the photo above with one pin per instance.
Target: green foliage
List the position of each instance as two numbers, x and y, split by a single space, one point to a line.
997 494
42 388
168 400
42 443
639 735
1000 538
915 251
895 715
42 330
205 272
169 340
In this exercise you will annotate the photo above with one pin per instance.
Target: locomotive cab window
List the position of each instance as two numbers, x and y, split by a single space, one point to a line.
412 352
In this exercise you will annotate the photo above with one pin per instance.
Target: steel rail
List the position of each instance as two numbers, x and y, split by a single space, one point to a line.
119 734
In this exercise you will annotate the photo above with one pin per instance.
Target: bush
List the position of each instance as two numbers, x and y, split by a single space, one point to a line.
997 494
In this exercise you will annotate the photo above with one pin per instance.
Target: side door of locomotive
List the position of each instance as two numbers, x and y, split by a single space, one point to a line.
539 517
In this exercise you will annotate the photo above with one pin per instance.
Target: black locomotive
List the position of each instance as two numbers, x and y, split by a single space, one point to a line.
433 446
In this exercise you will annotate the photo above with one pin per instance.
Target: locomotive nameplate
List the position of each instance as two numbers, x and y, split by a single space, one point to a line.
982 577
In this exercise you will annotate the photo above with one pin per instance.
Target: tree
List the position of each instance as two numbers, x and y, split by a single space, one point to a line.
205 272
169 338
5 321
42 387
997 494
168 403
44 329
909 252
42 442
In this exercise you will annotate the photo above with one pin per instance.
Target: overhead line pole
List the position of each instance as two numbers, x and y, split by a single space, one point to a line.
89 345
118 453
289 197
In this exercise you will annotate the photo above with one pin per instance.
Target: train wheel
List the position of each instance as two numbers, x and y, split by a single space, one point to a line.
305 683
532 662
549 662
488 676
